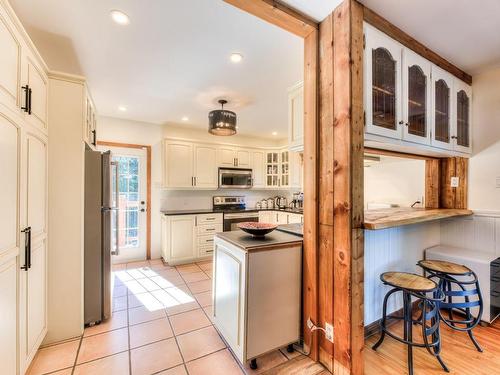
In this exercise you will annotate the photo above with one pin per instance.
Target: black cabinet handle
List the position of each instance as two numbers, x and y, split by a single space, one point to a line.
94 139
29 96
26 107
27 249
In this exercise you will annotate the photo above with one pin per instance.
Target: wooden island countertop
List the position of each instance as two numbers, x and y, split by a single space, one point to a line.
394 217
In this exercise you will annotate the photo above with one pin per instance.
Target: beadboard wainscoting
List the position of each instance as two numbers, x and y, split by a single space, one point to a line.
393 249
480 232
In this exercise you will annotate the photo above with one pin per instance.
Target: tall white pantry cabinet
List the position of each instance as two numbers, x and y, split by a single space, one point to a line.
23 221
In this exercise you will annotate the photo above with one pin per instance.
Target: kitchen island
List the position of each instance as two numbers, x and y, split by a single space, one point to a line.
257 291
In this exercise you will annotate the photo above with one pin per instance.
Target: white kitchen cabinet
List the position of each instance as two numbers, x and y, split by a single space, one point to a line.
272 169
36 80
462 120
90 127
258 172
296 171
233 157
442 121
296 117
9 319
295 219
178 164
178 238
281 218
205 172
243 159
248 311
267 217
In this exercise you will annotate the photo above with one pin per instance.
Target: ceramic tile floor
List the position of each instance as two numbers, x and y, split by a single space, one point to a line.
160 325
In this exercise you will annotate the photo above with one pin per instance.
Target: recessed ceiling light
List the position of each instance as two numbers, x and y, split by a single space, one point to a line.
274 133
119 17
185 118
236 57
122 108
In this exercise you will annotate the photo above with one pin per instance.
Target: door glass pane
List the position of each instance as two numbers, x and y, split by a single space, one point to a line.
442 112
462 119
128 201
383 89
417 84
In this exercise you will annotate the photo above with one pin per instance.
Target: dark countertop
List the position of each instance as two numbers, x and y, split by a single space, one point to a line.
248 243
212 211
296 229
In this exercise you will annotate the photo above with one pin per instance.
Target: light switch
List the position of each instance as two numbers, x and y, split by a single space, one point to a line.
455 182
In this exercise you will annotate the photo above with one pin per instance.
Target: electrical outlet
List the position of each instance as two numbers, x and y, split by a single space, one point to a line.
310 324
455 182
329 332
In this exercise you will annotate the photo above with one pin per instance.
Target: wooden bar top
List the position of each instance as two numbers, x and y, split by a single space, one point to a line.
394 217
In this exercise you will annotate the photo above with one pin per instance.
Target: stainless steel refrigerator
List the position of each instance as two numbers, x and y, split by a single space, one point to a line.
100 241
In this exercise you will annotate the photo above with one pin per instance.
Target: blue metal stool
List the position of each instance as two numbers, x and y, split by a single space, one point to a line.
429 295
460 286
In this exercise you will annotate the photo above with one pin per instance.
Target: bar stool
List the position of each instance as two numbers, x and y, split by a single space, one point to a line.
455 281
429 295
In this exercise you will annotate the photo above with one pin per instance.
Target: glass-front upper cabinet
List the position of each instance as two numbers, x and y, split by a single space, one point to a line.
382 93
463 118
442 89
416 98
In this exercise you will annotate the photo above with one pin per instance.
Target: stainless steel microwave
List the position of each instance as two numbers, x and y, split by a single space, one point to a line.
235 178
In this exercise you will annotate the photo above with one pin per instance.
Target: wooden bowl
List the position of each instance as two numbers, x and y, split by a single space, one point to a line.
257 229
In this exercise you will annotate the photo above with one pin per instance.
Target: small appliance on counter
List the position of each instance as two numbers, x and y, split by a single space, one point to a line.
270 203
297 200
280 202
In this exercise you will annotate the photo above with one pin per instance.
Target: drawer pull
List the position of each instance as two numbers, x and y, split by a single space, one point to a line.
209 229
209 241
210 218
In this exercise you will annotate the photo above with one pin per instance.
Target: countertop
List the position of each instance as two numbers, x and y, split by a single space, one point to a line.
212 211
248 243
394 217
296 229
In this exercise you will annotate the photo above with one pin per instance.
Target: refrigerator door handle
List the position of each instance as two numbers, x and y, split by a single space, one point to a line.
116 210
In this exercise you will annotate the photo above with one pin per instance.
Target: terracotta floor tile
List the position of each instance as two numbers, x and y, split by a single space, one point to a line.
120 303
155 261
174 310
143 299
143 314
149 285
119 291
188 268
155 357
194 276
54 358
189 321
161 267
138 264
204 265
167 281
118 267
215 364
179 370
196 344
122 275
204 299
266 362
133 287
146 333
136 273
117 320
209 310
200 286
67 371
102 345
115 364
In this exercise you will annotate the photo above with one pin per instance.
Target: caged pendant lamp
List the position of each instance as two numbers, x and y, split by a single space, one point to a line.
221 121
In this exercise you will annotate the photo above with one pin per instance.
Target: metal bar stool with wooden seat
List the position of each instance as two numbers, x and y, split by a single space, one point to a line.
429 296
460 286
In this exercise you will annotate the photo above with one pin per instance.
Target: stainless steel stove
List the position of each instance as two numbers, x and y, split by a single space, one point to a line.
234 209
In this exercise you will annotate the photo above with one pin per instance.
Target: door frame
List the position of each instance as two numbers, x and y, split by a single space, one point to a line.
148 185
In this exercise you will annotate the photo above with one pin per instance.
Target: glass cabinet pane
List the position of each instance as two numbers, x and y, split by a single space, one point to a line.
417 92
462 119
442 112
383 89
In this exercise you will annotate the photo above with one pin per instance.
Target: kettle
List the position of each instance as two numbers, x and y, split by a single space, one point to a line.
280 202
270 203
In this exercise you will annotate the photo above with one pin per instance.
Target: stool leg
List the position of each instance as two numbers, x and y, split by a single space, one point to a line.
408 327
450 300
473 339
382 322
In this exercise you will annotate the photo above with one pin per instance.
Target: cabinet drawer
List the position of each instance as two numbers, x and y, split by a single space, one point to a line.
205 240
204 251
209 219
208 229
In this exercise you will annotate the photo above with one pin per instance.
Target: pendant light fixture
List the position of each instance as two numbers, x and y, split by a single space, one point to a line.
221 121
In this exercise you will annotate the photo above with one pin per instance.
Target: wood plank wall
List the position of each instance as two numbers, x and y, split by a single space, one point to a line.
453 197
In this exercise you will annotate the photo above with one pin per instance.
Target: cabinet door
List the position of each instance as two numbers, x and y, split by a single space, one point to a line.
10 60
259 180
416 98
38 83
282 218
382 67
181 234
285 169
294 218
178 157
442 88
272 169
463 117
295 170
205 161
226 156
243 158
9 243
296 117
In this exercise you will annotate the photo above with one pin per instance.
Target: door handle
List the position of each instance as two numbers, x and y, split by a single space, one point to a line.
27 249
29 96
143 210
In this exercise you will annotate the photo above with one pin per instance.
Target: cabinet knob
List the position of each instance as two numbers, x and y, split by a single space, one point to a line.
401 122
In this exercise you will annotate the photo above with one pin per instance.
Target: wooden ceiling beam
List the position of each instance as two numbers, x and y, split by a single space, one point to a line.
277 13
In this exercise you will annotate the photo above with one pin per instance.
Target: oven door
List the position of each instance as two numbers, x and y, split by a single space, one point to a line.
231 220
235 178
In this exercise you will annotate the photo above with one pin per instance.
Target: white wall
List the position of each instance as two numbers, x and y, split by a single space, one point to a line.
395 180
485 162
125 131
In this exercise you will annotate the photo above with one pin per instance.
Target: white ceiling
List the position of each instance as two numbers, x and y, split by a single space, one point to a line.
465 32
173 59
